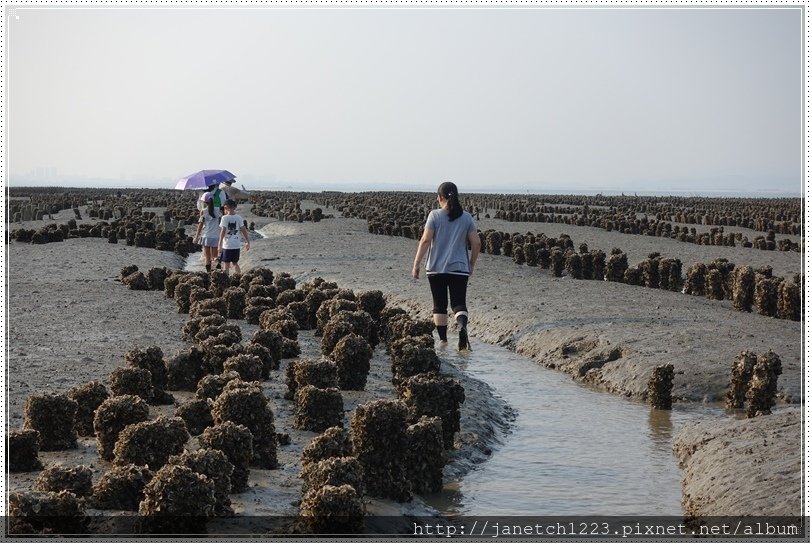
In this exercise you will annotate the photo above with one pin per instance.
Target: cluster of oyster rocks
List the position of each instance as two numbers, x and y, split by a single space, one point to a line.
151 469
387 448
753 382
393 447
402 214
747 287
144 230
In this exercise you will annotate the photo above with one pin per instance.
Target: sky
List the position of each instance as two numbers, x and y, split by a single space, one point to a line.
495 100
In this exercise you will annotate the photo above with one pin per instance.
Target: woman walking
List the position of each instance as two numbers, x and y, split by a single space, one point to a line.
207 233
452 245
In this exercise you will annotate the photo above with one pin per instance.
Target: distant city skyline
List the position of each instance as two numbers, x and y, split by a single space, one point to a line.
659 99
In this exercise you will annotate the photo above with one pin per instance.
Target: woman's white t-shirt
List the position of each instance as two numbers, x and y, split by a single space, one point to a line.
210 227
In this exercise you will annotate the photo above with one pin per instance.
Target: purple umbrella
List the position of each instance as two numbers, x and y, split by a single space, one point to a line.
203 179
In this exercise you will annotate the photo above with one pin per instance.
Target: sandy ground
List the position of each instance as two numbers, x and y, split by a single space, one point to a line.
66 310
758 446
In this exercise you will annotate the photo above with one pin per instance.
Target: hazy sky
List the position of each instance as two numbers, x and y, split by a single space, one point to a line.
658 98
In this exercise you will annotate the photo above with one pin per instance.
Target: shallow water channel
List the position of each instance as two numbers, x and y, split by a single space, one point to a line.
571 451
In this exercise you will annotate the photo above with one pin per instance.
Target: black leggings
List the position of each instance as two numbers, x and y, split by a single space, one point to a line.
440 283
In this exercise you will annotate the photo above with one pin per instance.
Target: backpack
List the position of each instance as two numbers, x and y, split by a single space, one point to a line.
216 195
218 199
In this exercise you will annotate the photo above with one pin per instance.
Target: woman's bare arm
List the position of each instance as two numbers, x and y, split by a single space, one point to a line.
424 245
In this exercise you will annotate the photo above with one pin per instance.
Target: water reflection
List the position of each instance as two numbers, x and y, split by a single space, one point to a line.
660 421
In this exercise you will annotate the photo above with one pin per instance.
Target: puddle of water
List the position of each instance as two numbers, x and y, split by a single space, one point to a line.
572 450
194 263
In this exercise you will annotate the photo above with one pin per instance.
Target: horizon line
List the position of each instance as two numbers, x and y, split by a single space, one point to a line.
680 193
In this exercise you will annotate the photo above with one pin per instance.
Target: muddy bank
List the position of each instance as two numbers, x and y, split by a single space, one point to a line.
742 467
70 320
609 334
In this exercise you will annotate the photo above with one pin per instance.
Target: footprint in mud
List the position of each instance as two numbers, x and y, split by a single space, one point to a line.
579 345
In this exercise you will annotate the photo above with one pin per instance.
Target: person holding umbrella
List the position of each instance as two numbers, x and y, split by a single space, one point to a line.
209 181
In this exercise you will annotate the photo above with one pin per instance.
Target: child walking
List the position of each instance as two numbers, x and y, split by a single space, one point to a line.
230 226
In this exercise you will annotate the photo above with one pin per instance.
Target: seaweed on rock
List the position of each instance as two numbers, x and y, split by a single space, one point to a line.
88 397
333 442
121 488
176 500
150 443
214 465
236 442
380 443
246 405
112 416
23 451
54 417
196 413
57 477
317 409
45 513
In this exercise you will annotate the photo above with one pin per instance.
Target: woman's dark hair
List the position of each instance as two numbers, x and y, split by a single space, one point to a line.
449 192
211 208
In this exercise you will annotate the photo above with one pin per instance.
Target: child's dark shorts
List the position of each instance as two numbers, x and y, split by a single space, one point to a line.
230 255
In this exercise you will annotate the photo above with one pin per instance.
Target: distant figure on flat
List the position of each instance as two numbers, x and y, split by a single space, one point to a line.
232 192
452 245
